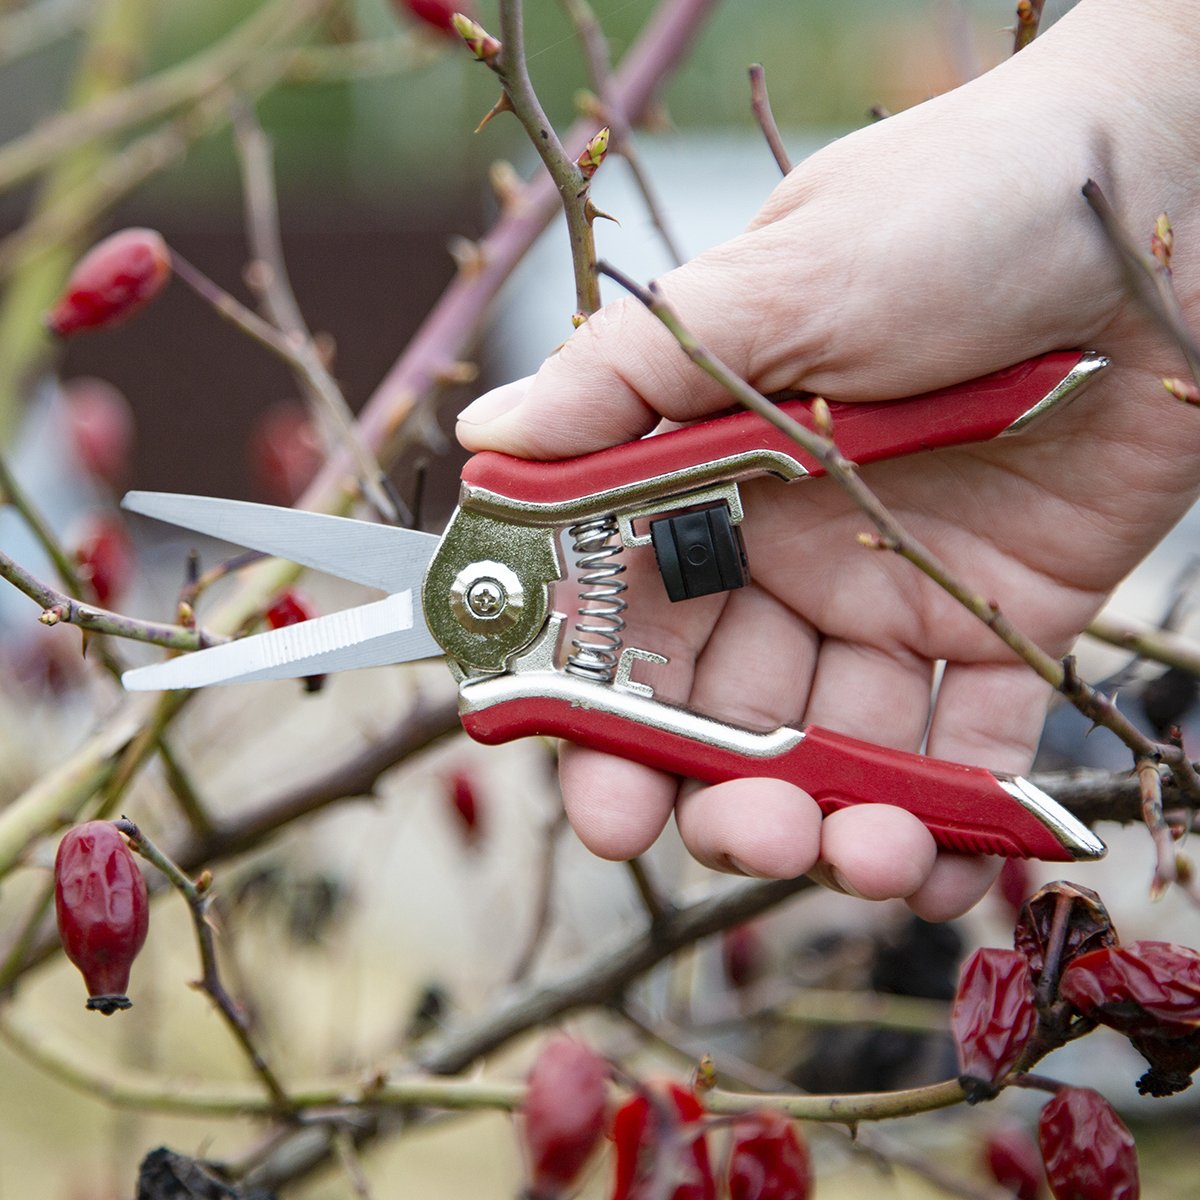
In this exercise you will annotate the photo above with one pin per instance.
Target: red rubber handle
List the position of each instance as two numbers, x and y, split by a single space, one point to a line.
966 412
967 809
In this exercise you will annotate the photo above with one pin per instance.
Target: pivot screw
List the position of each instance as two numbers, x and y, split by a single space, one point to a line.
486 598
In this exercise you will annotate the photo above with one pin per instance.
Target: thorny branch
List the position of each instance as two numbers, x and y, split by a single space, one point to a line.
572 184
198 898
894 537
609 113
268 275
760 104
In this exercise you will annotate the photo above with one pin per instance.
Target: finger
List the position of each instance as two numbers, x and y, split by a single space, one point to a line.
754 671
619 373
989 715
616 807
877 851
876 695
955 885
762 827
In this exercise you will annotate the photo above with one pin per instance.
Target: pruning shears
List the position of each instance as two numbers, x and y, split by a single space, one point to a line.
480 594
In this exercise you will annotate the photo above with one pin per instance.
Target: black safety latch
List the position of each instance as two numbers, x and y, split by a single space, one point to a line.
699 552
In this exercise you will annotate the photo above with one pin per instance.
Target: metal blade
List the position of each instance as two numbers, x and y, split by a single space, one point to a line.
372 635
381 556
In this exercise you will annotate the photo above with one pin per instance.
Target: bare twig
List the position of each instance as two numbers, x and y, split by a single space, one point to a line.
760 104
1147 641
30 29
1150 788
206 73
648 893
1029 16
269 276
1147 278
894 537
59 607
604 978
511 68
542 898
599 69
198 899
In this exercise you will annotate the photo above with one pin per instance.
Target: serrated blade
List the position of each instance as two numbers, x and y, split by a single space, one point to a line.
380 556
371 635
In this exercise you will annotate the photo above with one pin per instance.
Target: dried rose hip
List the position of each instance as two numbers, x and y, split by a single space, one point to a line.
661 1153
1145 987
1077 913
101 903
1014 1161
1149 991
992 1018
767 1159
111 282
465 806
564 1110
104 555
1088 1151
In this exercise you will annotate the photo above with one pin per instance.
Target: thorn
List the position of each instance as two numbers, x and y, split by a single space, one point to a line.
503 105
877 112
592 212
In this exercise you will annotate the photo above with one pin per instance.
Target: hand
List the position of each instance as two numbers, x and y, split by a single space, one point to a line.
938 245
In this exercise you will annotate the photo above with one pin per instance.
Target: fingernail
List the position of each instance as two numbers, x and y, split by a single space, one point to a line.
839 882
495 403
736 864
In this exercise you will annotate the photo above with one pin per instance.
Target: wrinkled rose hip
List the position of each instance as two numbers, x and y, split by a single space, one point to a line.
564 1110
103 913
767 1160
1088 1152
662 1155
1013 1161
111 282
992 1018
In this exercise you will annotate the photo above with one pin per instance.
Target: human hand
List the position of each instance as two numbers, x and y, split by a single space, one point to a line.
941 244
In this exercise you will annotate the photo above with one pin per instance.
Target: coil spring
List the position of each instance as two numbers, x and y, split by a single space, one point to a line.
595 544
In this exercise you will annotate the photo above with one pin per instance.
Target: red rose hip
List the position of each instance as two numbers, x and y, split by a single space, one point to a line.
111 282
103 910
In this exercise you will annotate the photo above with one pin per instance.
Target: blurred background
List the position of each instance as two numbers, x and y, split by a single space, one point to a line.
378 920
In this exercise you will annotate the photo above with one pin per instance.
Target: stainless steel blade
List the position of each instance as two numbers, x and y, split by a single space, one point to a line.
371 635
380 556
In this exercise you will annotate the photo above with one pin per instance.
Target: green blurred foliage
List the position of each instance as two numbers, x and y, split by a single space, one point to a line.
409 135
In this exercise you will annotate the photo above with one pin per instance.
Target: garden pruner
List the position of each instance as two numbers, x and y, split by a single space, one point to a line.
481 595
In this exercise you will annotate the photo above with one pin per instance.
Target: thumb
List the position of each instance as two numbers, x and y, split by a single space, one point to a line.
622 371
